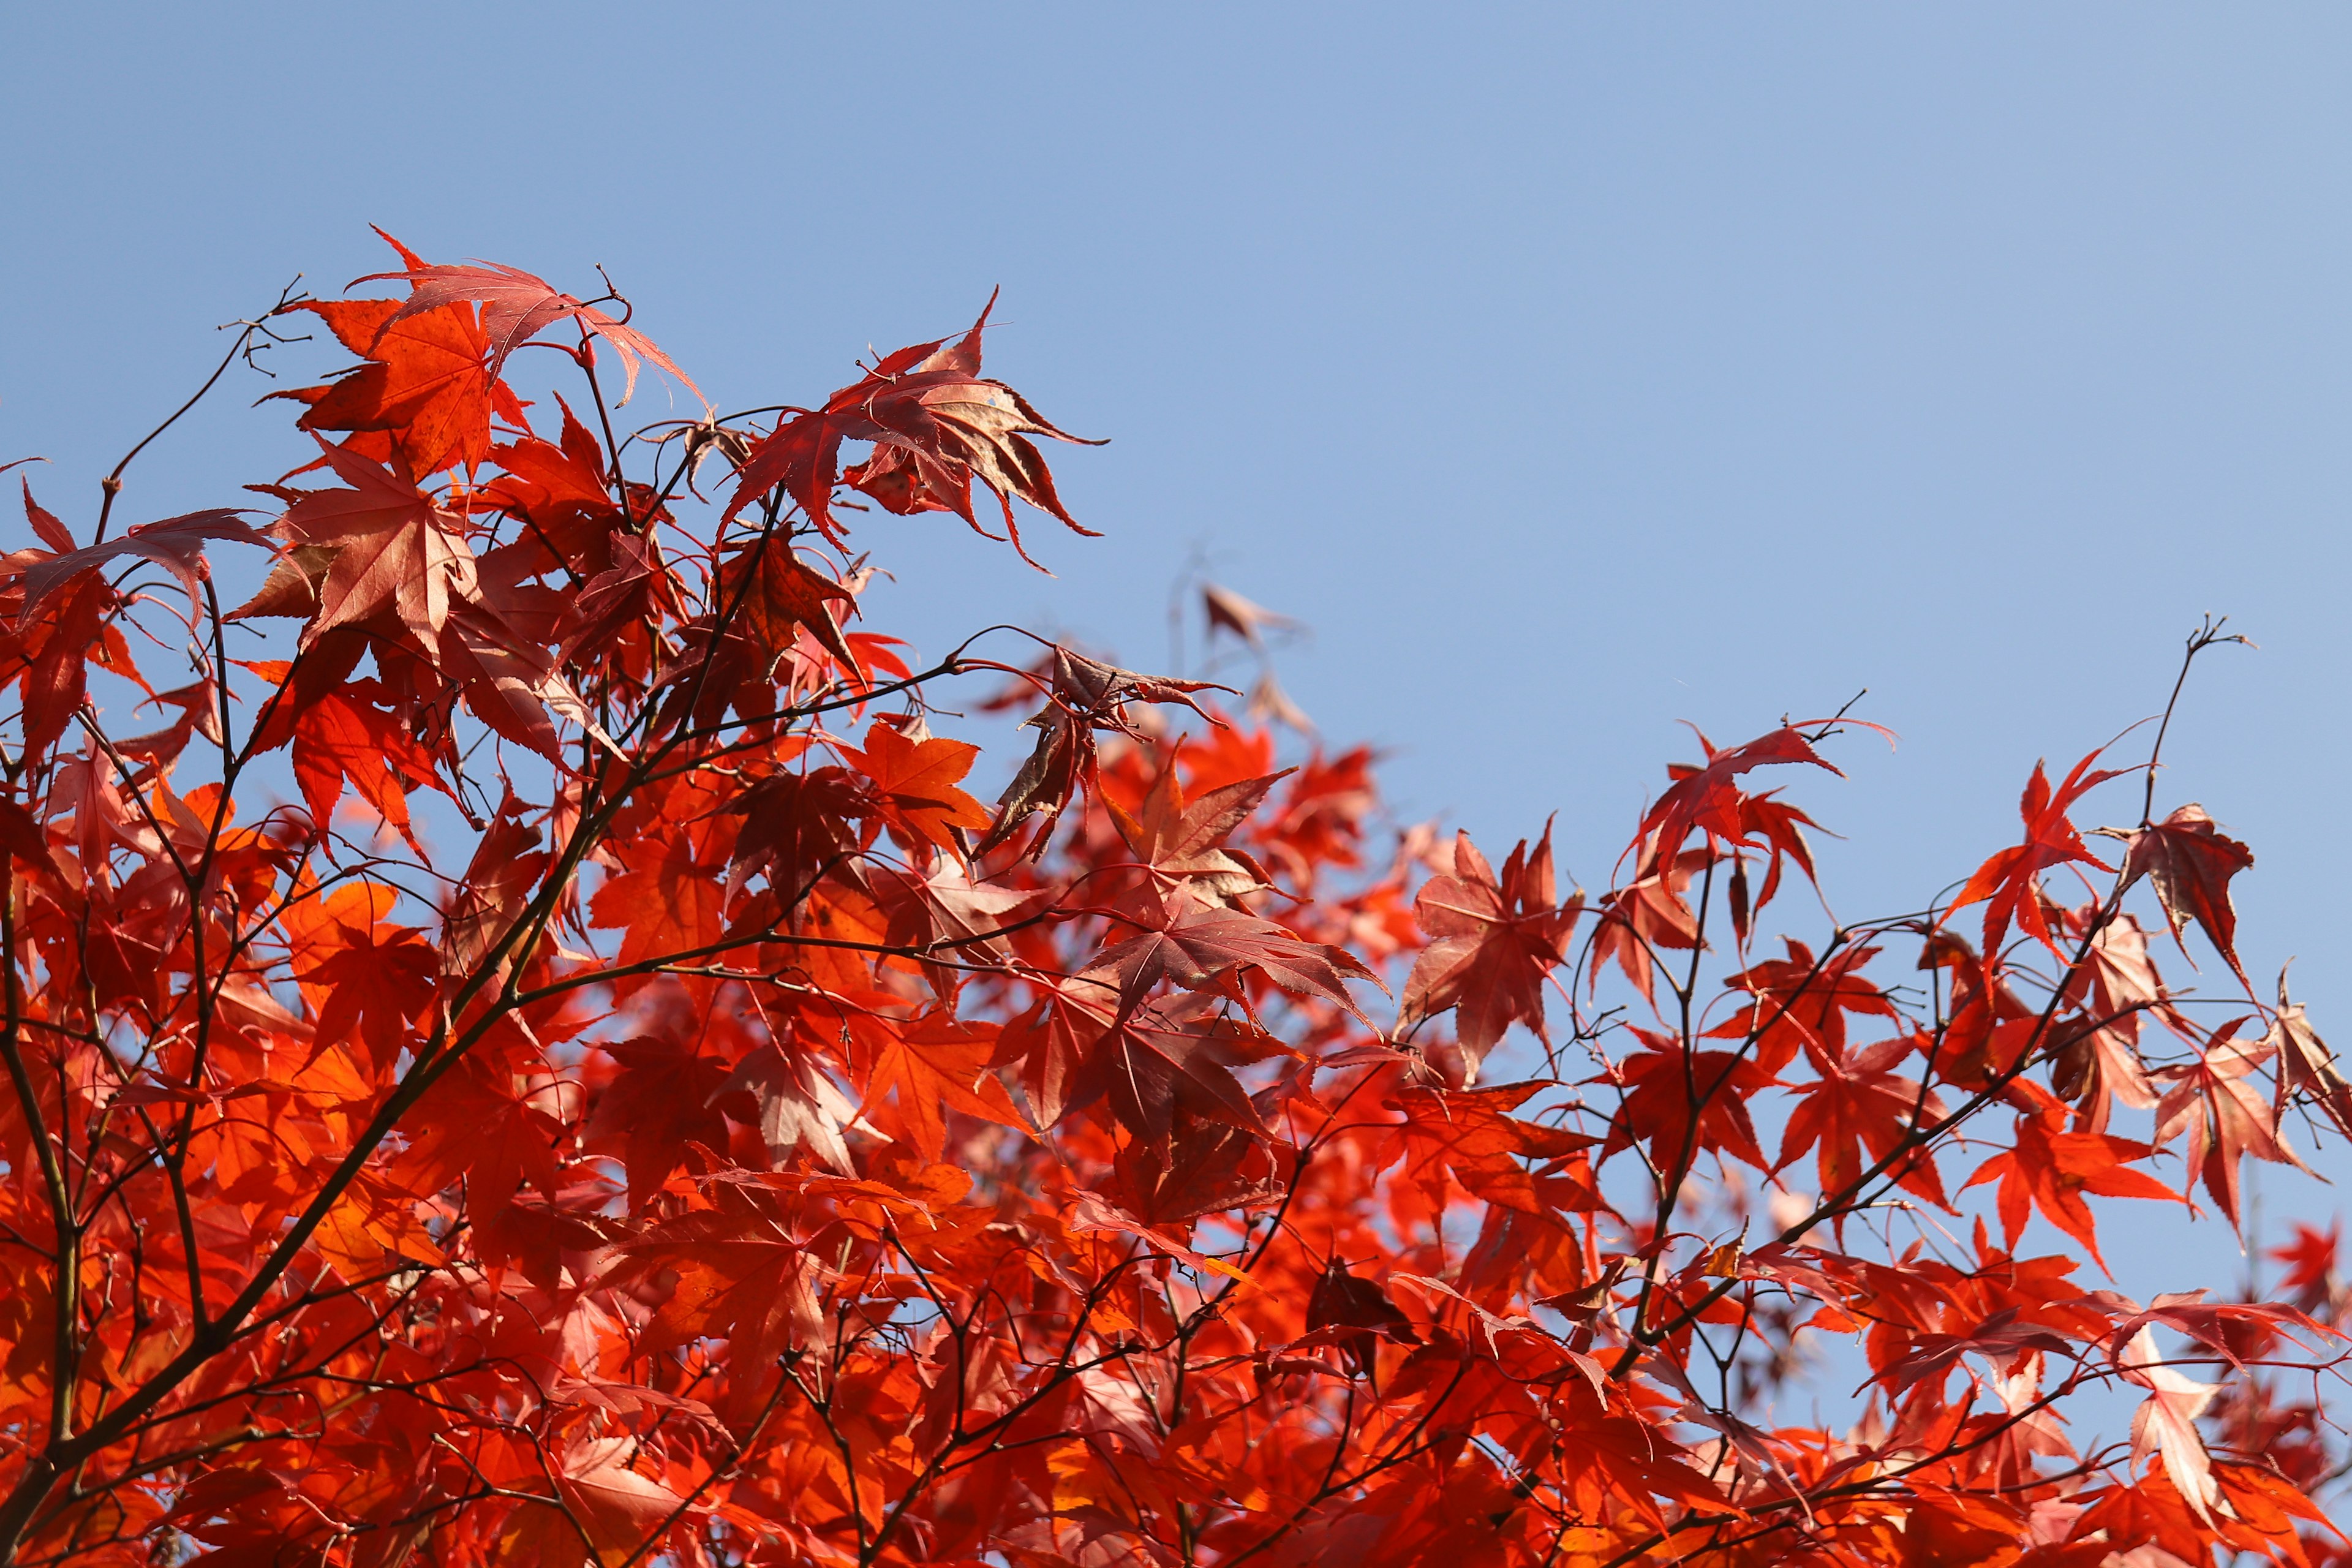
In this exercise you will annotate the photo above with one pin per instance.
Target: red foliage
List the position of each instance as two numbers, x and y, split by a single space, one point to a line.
607 1090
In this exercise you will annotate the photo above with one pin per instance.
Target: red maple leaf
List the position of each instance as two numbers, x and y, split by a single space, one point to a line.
1470 1135
424 395
743 1275
2008 884
400 563
1497 938
1181 844
2052 1169
936 425
1803 1003
2306 1067
516 308
1354 1313
1705 798
349 739
915 784
1192 945
2166 1422
2311 1280
176 544
2224 1116
2101 1067
1859 1111
2189 863
1682 1103
1647 914
658 1104
1083 695
930 1063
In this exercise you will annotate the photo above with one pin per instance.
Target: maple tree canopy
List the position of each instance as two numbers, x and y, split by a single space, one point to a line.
524 1047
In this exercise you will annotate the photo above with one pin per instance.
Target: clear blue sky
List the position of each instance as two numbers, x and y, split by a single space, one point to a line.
1574 370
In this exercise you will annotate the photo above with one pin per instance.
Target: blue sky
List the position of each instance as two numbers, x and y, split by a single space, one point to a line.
1573 370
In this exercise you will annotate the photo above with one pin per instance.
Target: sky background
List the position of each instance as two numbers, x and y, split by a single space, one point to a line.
1573 370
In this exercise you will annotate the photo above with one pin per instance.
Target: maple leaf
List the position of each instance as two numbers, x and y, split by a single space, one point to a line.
176 543
1495 940
2000 1339
929 1063
659 1103
1354 1313
1055 1043
340 739
2008 884
1048 776
2189 863
509 678
1706 798
969 913
741 1275
1858 1104
378 982
44 523
2221 1327
936 425
1989 1030
200 714
2101 1067
1191 945
1781 827
795 826
1268 703
2311 1280
786 595
2306 1067
21 835
1083 695
91 787
516 308
292 588
373 1223
507 865
1471 1134
669 900
556 482
400 562
1157 1061
1183 845
1203 1167
53 661
1658 1109
1170 1064
63 622
2052 1169
1803 1003
2224 1116
634 590
605 1482
423 397
1641 917
2166 1422
1228 611
797 1105
914 782
1092 1212
473 1124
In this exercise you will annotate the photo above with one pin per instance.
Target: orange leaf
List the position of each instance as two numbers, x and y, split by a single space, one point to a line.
916 783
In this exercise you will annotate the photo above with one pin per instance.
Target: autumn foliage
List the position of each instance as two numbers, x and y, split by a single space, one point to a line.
525 1046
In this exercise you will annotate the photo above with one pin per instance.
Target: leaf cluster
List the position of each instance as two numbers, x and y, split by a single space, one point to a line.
544 1058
